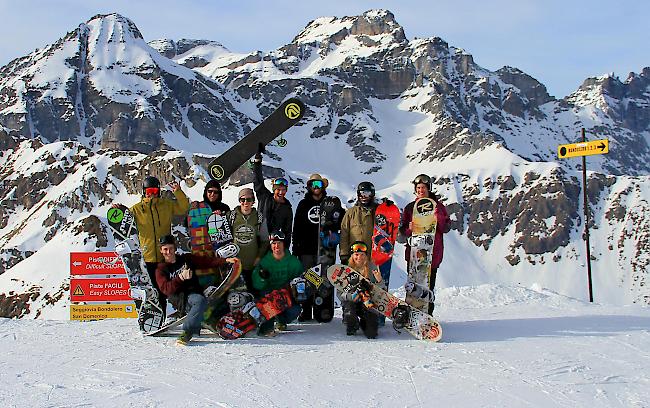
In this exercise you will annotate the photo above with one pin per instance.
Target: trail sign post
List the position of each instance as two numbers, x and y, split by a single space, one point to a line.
585 149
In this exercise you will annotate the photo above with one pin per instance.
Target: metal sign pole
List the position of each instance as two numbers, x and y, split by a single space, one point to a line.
584 190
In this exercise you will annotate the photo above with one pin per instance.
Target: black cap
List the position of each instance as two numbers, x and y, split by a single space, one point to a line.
167 240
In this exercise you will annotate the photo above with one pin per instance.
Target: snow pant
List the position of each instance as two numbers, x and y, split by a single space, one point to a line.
195 307
151 270
307 306
248 279
356 315
286 317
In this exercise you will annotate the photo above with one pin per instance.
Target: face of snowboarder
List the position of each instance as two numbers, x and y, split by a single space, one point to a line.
246 204
280 186
168 252
316 188
421 190
277 247
213 194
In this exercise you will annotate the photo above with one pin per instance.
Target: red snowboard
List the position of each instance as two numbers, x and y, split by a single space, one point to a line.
239 322
387 218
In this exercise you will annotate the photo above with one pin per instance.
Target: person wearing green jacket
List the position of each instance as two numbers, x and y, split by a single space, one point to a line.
275 271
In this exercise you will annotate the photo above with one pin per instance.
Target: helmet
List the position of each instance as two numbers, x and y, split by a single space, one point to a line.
150 182
423 179
365 192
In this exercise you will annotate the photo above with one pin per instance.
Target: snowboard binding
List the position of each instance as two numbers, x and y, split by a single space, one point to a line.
400 317
237 300
299 289
419 291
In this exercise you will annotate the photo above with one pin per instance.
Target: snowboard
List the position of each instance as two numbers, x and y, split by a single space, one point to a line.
419 324
212 293
122 225
200 243
387 217
285 116
239 322
423 228
331 214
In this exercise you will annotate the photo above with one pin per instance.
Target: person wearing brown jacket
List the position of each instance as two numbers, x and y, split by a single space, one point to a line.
359 221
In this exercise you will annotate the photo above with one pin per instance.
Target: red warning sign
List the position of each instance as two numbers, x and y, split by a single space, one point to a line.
99 290
96 263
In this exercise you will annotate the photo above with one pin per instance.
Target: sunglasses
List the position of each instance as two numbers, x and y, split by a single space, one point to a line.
280 182
213 191
152 191
359 247
247 200
316 184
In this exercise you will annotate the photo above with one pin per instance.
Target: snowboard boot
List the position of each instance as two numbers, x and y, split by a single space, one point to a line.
280 326
351 323
184 338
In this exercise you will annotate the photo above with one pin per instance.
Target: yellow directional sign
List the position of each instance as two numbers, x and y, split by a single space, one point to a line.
583 149
102 311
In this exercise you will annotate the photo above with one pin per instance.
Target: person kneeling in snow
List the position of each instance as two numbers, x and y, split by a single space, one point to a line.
275 271
176 279
357 311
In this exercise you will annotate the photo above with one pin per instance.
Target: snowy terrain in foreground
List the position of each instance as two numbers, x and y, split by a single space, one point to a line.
502 346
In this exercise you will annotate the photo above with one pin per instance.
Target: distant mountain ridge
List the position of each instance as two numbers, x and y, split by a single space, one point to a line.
84 119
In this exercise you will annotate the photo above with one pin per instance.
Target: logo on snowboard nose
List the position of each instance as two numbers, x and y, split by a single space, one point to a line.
292 111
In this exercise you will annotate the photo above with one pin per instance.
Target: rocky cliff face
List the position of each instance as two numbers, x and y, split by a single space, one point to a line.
83 120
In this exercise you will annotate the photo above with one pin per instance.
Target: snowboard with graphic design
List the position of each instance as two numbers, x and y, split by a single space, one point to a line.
329 234
122 225
387 217
419 324
423 230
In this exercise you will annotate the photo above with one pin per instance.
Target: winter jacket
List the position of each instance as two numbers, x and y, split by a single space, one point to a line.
280 272
306 226
278 216
442 227
154 219
175 288
357 225
250 234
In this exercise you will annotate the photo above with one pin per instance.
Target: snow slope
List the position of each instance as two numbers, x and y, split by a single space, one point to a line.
503 346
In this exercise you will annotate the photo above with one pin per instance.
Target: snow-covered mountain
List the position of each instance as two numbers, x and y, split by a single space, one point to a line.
84 119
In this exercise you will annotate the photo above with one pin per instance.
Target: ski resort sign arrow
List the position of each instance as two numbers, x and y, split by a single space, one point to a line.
96 263
583 149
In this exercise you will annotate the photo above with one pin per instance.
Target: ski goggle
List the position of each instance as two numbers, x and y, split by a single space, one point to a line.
316 184
246 199
422 179
359 247
277 236
280 181
365 193
151 191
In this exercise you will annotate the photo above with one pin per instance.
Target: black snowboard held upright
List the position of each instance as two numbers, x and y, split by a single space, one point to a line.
331 215
285 116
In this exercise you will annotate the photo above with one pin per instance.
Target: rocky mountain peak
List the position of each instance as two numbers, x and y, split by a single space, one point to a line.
372 23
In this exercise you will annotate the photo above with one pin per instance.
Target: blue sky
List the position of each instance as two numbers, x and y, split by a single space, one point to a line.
558 42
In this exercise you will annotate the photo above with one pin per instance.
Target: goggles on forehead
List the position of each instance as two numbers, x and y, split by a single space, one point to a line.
280 181
422 179
277 236
359 247
316 184
152 191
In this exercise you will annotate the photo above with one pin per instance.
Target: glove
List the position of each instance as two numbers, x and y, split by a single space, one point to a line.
401 238
264 274
344 259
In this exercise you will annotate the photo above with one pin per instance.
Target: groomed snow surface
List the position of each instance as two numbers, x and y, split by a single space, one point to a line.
502 346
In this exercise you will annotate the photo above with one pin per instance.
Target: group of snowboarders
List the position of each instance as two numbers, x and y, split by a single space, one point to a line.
264 234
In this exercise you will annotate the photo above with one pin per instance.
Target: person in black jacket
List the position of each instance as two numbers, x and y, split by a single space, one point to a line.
212 197
305 231
275 208
176 279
